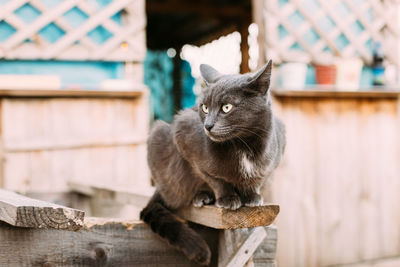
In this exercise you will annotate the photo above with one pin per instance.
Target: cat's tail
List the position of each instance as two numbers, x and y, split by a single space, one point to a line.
178 234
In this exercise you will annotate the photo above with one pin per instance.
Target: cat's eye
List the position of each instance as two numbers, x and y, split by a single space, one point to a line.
204 108
227 107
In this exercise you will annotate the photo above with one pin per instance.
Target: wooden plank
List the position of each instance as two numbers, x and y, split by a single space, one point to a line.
265 254
342 193
294 185
381 262
21 211
218 10
41 145
49 141
100 242
331 92
49 171
232 241
117 194
60 124
210 216
237 253
220 218
48 93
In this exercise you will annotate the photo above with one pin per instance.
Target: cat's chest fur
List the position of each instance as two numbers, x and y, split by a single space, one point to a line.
247 166
231 165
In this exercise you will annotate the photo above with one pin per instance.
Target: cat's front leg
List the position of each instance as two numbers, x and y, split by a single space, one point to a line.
225 194
251 197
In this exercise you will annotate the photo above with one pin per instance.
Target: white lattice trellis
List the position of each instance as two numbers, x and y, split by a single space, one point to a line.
317 28
91 34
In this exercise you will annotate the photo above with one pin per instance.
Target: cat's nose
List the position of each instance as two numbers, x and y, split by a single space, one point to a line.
208 126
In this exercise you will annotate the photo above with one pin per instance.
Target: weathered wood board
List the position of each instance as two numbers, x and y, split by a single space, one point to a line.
210 216
248 247
50 171
21 211
265 254
238 252
50 137
339 179
100 242
220 218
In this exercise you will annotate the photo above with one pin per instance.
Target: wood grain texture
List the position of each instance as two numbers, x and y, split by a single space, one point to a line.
210 216
338 181
57 93
237 253
265 254
21 211
101 242
112 201
119 195
385 262
220 218
330 92
50 141
232 240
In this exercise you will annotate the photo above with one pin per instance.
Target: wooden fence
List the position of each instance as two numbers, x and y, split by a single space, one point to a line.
51 137
339 181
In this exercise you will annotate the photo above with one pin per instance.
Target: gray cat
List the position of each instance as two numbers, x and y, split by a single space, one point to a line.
221 151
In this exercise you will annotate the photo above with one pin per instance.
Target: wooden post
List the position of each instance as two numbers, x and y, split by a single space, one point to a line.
244 46
258 18
177 89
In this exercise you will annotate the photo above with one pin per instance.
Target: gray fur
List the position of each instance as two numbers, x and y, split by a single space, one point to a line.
230 162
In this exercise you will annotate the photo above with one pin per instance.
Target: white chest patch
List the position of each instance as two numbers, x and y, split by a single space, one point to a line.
247 167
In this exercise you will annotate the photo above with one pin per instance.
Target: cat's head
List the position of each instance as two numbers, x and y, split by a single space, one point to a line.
234 106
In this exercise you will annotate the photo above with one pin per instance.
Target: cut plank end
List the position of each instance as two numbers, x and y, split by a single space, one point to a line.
22 211
219 218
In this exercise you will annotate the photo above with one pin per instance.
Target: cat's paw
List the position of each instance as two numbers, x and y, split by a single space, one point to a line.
203 198
253 201
231 202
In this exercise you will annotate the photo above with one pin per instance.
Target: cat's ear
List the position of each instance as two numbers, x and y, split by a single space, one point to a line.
261 79
209 74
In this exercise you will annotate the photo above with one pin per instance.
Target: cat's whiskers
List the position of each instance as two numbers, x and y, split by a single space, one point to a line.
244 142
249 131
246 129
253 128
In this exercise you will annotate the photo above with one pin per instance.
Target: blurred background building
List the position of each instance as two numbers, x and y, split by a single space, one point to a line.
74 106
